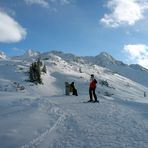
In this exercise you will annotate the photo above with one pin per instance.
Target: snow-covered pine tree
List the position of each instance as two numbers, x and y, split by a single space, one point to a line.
44 69
35 72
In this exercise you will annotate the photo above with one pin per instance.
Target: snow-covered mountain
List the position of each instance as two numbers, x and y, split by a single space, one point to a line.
31 53
69 63
2 55
134 72
42 116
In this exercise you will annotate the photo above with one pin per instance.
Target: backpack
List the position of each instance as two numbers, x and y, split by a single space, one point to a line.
95 81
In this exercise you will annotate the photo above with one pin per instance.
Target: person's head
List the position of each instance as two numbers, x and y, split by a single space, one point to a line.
72 83
92 75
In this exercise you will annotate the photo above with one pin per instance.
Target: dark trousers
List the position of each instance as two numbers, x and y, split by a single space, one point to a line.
92 94
75 92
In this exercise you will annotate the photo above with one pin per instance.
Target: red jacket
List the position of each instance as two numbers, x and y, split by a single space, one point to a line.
92 84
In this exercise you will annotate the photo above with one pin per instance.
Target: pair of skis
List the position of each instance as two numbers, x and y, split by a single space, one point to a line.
91 101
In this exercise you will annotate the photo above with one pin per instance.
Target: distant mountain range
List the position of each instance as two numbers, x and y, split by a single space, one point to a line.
134 72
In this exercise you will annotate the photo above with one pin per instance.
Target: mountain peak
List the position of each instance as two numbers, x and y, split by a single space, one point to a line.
2 55
31 53
104 59
105 55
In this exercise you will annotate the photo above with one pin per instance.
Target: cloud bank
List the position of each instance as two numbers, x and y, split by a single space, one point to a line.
137 53
10 30
124 12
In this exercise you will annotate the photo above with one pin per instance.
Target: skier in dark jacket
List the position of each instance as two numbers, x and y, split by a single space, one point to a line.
92 88
74 90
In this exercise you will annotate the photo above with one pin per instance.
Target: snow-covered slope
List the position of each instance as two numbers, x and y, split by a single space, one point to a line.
134 72
68 67
42 116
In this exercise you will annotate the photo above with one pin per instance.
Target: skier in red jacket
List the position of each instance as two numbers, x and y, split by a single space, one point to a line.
92 88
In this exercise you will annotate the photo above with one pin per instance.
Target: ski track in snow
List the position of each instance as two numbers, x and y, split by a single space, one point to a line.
50 137
91 125
36 141
67 122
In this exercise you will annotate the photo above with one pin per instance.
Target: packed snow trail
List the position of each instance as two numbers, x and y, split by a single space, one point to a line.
109 124
67 122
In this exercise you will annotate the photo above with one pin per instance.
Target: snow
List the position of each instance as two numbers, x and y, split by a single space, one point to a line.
2 55
134 72
42 116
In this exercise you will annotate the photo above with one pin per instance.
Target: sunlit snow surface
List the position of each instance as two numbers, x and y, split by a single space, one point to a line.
42 116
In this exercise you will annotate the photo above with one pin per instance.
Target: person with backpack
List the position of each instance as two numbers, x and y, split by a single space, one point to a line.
92 88
73 89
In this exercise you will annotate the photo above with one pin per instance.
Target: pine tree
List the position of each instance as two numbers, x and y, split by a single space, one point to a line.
39 63
44 69
38 72
31 78
80 70
35 72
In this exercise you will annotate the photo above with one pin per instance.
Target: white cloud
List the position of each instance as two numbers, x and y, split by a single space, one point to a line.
45 3
137 53
42 3
124 12
10 30
61 1
64 2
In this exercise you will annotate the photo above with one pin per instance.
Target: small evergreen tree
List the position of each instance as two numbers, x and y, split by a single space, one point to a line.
35 72
44 69
39 62
80 70
144 94
38 73
31 77
103 82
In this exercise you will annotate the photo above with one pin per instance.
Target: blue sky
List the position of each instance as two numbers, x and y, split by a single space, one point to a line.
81 27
